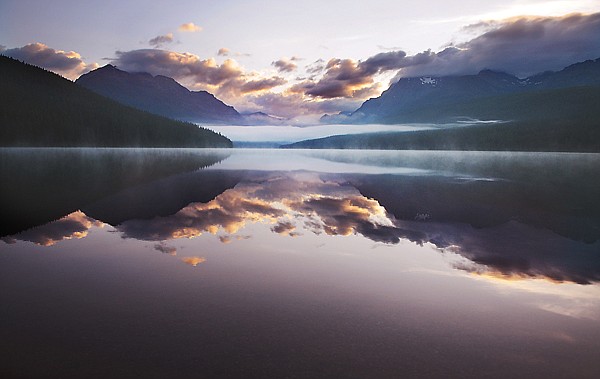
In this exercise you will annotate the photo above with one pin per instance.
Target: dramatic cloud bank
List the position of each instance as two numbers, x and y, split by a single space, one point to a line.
521 46
67 63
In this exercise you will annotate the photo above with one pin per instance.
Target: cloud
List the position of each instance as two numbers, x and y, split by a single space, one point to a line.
342 78
393 60
72 226
347 78
193 261
381 47
228 79
285 64
316 67
163 248
285 228
225 52
189 27
159 41
261 84
521 46
67 63
228 239
225 239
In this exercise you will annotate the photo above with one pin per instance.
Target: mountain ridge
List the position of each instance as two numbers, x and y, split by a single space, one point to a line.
158 94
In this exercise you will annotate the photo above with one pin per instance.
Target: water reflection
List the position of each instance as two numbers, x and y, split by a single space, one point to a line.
42 185
74 225
505 228
291 203
350 264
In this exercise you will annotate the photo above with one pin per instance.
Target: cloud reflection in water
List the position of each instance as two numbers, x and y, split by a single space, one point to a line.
74 225
295 203
289 202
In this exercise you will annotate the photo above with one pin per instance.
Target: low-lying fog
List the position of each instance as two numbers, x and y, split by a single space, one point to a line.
288 134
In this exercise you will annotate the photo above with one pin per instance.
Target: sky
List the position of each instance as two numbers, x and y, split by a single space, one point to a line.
303 59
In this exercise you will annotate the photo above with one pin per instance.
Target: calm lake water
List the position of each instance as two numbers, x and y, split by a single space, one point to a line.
299 264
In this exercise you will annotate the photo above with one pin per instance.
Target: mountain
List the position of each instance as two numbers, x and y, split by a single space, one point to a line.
158 94
481 96
261 118
40 108
563 119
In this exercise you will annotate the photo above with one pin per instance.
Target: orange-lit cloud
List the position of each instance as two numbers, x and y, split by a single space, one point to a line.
189 27
193 261
69 64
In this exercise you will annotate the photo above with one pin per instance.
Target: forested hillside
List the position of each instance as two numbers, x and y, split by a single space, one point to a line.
40 108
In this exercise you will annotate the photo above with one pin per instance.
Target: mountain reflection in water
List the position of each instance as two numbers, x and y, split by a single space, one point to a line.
508 226
363 258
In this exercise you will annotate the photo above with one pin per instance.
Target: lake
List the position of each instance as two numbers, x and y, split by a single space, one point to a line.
247 263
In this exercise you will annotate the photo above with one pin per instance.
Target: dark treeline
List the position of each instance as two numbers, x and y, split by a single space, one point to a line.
40 108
